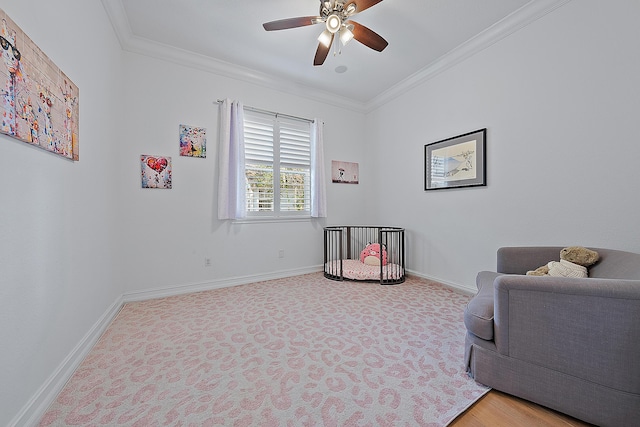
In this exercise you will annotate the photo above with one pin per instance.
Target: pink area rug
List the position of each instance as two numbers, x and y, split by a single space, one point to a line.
301 351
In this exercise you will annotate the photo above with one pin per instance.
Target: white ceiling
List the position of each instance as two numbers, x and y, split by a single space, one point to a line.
226 36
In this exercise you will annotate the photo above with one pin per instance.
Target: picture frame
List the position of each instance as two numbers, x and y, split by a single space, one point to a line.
345 172
456 162
155 172
193 141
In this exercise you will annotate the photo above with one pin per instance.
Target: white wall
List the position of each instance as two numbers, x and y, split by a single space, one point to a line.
167 234
560 99
57 217
76 237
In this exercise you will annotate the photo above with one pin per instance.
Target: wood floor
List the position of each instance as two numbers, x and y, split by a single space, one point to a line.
496 409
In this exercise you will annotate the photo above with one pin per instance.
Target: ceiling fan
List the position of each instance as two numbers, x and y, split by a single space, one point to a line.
336 15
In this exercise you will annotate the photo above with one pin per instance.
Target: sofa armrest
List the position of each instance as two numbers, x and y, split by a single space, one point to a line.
520 259
588 328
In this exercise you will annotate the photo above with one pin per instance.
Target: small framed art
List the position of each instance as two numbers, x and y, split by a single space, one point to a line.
344 172
193 141
456 162
156 171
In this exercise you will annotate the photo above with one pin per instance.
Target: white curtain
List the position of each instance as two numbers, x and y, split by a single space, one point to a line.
318 188
231 180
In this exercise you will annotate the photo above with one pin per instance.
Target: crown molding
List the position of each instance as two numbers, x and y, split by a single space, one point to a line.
131 43
517 20
119 22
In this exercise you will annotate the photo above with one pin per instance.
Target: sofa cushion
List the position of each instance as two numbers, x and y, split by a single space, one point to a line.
478 316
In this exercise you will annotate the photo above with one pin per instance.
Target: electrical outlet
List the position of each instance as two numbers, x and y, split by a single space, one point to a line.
207 262
281 253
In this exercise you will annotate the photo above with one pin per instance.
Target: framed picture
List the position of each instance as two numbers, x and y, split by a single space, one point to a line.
344 172
155 171
456 162
193 141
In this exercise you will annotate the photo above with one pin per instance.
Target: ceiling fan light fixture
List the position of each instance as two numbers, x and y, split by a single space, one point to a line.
345 35
325 38
333 23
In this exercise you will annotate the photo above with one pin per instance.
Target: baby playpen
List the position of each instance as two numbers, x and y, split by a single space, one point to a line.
343 254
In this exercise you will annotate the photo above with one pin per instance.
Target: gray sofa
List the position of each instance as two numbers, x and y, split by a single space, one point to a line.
572 345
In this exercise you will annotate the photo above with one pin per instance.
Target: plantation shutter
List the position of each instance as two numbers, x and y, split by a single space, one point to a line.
295 165
277 163
259 153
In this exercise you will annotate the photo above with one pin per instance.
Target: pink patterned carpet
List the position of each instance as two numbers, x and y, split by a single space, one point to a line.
301 351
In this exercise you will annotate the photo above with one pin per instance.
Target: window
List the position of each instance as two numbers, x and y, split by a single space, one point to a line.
277 164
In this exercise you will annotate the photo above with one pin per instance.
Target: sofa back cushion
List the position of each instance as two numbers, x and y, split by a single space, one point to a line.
520 259
614 264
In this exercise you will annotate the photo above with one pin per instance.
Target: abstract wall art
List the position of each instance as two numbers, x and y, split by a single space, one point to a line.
155 171
39 103
193 141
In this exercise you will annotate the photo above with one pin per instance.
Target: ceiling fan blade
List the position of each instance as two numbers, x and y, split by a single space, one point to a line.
283 24
322 52
368 37
362 4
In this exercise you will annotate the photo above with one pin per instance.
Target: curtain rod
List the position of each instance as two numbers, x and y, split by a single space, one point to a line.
259 110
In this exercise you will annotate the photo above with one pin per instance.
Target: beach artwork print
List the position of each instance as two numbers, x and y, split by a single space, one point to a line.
39 102
455 162
344 172
193 141
155 171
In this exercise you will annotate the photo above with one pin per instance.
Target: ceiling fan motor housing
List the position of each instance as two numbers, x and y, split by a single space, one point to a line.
334 13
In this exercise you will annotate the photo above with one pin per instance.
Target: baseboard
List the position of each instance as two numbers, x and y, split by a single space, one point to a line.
34 409
243 280
455 286
214 284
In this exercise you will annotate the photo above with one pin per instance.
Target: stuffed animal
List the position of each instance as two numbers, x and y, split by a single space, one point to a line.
574 261
371 254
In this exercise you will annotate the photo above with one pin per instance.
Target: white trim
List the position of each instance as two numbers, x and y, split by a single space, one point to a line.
131 43
215 284
34 409
454 286
517 20
262 219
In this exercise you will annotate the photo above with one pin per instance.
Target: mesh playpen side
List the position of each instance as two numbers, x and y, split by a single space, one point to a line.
342 247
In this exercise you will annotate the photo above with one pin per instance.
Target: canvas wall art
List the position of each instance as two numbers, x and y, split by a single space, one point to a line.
344 172
155 171
193 141
39 103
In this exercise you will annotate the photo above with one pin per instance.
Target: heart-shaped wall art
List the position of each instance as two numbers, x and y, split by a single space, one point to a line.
158 164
